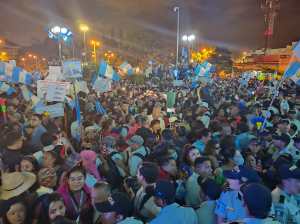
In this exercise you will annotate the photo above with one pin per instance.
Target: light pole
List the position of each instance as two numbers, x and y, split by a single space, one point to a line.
61 34
177 9
84 28
95 44
189 39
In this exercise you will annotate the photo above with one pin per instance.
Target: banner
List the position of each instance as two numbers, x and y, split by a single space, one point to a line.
57 87
72 69
55 110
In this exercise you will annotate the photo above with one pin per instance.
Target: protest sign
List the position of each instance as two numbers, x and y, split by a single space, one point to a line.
56 87
72 69
55 73
102 85
55 110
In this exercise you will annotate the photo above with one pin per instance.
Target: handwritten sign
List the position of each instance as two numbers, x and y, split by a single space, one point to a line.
49 90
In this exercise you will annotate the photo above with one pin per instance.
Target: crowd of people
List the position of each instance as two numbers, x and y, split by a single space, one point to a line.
219 155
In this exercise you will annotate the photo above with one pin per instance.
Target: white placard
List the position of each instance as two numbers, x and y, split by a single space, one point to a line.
43 85
56 93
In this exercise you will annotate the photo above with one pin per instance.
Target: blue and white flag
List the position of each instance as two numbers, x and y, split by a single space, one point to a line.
105 70
99 108
21 76
203 69
293 69
126 68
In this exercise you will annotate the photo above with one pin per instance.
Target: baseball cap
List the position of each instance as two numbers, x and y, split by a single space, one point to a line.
258 199
287 171
164 190
136 139
244 174
117 202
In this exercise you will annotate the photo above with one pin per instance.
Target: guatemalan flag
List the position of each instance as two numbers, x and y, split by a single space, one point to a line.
203 69
15 74
126 68
107 71
293 69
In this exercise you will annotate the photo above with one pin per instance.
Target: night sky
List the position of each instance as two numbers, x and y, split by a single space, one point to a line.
237 24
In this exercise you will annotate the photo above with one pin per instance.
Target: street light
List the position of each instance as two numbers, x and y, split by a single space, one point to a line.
84 28
189 40
177 9
95 44
60 33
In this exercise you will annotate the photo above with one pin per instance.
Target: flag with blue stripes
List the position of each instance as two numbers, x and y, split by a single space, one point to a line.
126 68
99 108
106 70
293 69
203 69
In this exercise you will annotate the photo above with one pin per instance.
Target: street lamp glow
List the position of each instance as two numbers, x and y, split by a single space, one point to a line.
191 37
56 30
63 30
184 37
84 28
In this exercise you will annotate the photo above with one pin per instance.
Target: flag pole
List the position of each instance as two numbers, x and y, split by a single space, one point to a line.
271 103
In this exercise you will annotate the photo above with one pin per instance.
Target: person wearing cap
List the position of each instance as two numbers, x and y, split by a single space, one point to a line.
15 184
229 206
258 202
116 210
211 191
138 153
281 143
285 196
171 212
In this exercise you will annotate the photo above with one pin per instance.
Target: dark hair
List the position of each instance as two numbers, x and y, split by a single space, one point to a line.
149 171
154 122
47 139
186 150
210 148
77 168
5 206
33 161
62 220
201 160
204 132
102 184
164 160
9 135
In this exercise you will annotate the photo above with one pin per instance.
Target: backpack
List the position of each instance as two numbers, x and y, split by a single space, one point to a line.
113 175
147 196
140 155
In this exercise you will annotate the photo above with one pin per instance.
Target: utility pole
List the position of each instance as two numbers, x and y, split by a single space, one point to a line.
271 9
